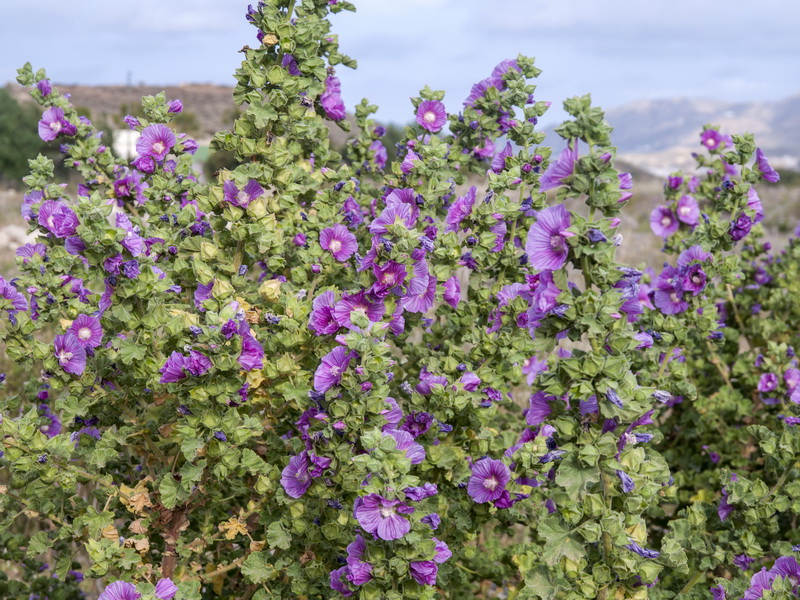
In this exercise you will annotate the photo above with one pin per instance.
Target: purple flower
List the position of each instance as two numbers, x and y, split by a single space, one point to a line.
410 159
460 209
87 330
718 593
643 552
670 302
175 107
329 372
479 89
241 198
295 477
538 408
711 139
405 443
546 245
358 304
388 277
15 298
424 572
70 353
166 589
442 551
197 363
53 428
759 583
452 291
692 254
421 292
155 142
381 156
174 367
688 212
338 241
470 381
203 293
558 171
432 520
694 280
322 320
396 213
289 63
383 517
743 561
418 494
499 160
768 382
130 269
725 509
337 585
754 203
44 87
740 228
626 481
252 355
767 172
431 115
489 479
120 590
58 218
331 99
54 124
359 571
663 221
792 378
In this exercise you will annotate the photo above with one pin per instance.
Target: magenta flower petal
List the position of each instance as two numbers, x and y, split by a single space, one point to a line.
329 372
87 330
767 172
70 353
120 590
561 169
546 246
663 221
380 516
452 291
331 99
58 218
338 241
489 479
322 320
156 141
166 589
295 477
431 115
460 209
688 212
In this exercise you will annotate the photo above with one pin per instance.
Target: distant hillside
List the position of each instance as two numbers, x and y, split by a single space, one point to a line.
664 133
655 135
212 105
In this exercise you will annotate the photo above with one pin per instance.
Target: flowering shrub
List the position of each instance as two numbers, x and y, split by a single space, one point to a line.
312 377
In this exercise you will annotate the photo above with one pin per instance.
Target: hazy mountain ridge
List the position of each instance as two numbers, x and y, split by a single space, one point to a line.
660 135
655 135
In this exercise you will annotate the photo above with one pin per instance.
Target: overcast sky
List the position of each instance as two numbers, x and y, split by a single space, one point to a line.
619 50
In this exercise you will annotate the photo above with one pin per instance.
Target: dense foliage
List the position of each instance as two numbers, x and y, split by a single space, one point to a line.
318 378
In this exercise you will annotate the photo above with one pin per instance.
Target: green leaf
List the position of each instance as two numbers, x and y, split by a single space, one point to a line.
258 569
559 541
277 536
576 478
38 544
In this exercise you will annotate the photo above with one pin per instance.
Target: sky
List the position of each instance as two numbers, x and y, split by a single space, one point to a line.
618 50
